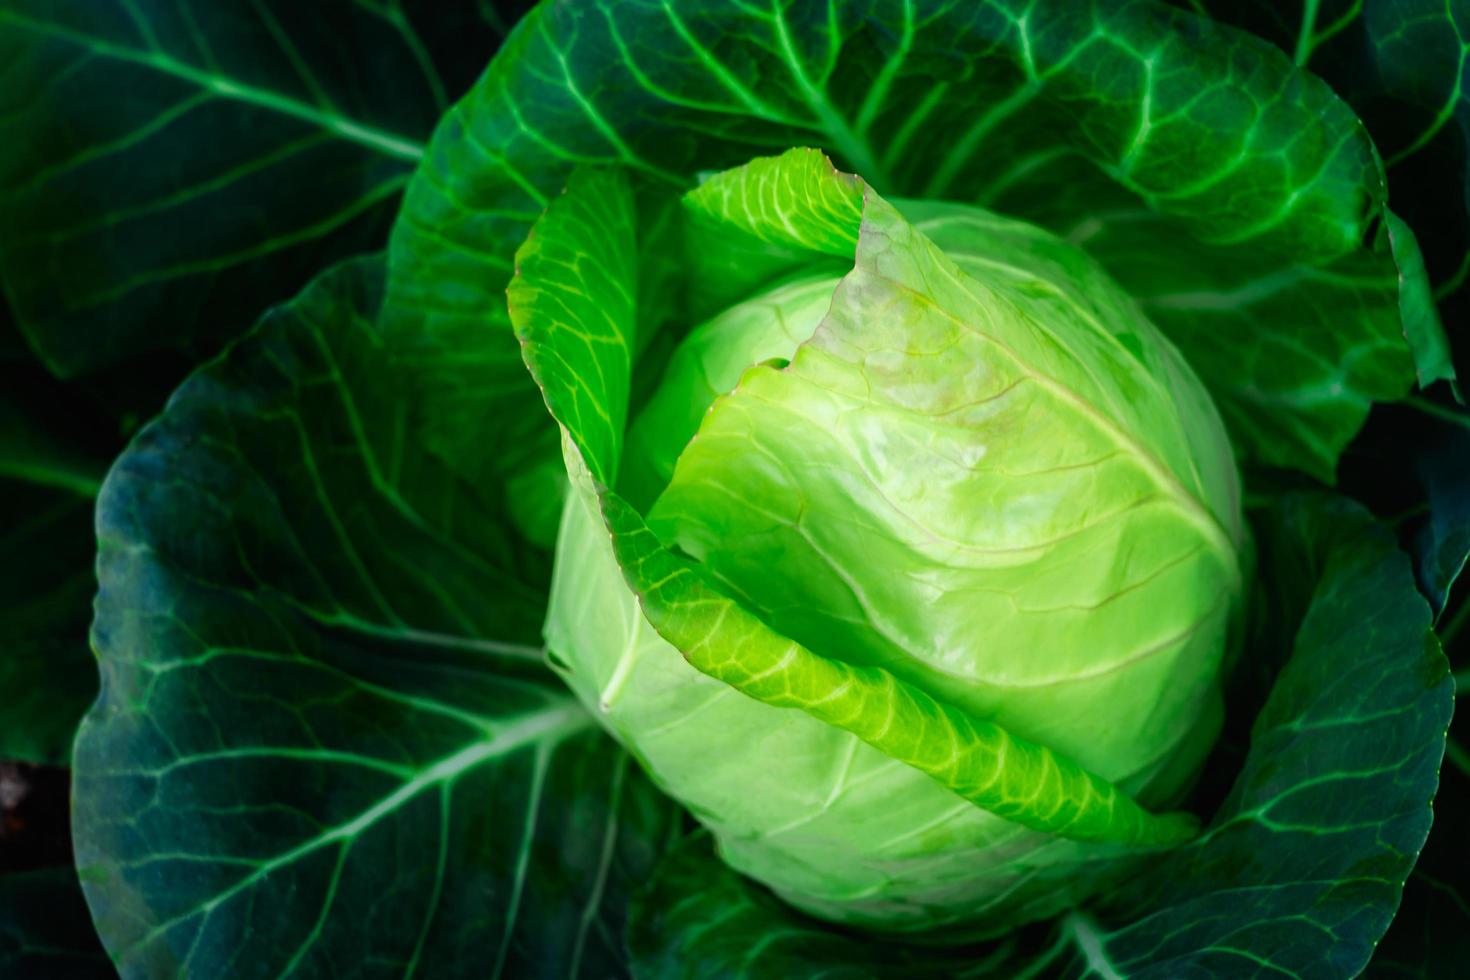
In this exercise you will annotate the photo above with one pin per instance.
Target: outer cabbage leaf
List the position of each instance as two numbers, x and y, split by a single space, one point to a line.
1433 359
1132 105
1400 64
325 735
1364 701
1299 872
1430 935
176 167
171 170
1425 445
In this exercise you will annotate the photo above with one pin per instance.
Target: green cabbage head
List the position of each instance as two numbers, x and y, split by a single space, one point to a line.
911 567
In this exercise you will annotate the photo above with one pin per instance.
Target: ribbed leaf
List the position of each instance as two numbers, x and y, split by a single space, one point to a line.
1400 64
1259 168
1336 791
324 736
176 167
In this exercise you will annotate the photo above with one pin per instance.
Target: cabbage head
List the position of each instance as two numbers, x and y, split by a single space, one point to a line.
913 575
684 489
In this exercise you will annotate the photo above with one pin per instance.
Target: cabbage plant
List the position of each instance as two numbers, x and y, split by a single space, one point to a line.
862 489
962 526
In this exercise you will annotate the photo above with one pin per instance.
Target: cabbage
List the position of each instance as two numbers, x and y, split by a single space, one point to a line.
911 514
969 468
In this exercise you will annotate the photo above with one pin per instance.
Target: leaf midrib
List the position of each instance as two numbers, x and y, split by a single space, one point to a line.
384 142
556 721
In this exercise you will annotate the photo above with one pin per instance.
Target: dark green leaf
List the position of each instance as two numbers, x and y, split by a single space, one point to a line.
1422 447
1401 65
1430 936
175 167
324 741
1204 129
1302 866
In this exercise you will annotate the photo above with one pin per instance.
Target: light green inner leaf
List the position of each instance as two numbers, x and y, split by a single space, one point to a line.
768 205
1008 491
573 302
